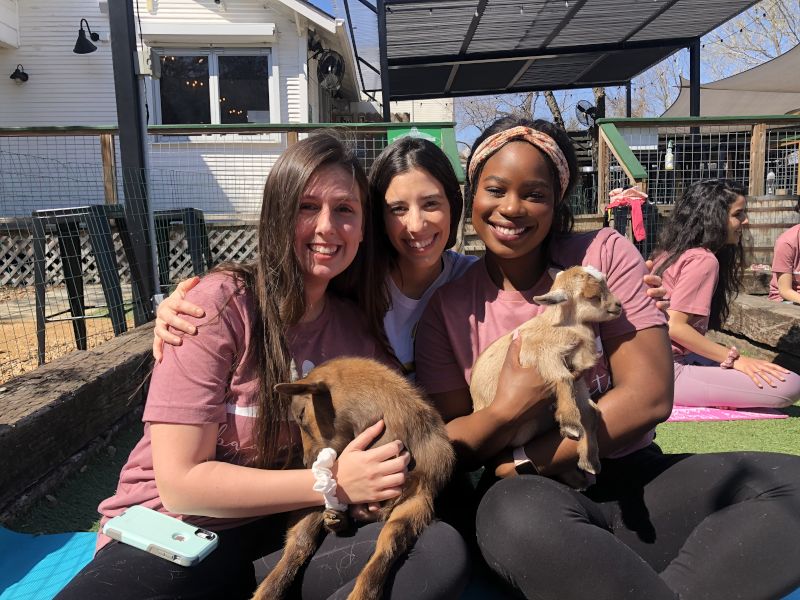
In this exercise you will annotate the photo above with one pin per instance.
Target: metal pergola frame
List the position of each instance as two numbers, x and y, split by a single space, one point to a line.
520 59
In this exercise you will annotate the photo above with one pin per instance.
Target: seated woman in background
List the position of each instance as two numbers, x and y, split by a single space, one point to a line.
700 258
785 283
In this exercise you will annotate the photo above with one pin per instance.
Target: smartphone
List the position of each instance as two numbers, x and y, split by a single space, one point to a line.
170 538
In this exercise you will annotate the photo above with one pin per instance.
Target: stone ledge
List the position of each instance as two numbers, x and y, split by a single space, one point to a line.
765 322
55 412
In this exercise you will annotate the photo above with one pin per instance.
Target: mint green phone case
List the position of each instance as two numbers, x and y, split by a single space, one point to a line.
162 535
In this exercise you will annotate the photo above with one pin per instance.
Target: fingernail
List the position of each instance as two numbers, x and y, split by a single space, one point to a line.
515 335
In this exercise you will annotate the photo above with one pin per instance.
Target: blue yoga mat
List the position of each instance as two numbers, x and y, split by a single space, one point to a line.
37 567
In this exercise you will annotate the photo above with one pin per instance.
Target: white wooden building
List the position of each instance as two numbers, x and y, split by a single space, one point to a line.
201 61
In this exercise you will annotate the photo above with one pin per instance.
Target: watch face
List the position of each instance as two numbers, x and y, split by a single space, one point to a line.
525 468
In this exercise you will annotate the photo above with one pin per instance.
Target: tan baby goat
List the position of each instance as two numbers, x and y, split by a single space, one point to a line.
560 342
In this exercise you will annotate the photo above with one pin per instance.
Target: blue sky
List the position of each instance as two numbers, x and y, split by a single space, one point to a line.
324 5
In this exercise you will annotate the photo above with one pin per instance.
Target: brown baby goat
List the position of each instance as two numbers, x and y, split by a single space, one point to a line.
332 405
560 342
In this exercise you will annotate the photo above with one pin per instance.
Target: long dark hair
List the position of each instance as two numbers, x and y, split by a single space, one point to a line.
400 157
563 220
700 220
276 279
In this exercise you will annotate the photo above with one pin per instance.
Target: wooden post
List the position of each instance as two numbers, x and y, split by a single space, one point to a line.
291 138
109 168
758 153
602 172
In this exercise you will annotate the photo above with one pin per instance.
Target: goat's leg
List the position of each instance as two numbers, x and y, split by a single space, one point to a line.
402 528
588 452
302 539
567 414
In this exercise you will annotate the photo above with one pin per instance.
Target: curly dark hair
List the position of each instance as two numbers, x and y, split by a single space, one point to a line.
700 220
563 220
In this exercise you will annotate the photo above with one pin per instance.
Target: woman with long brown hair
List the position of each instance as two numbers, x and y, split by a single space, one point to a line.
217 438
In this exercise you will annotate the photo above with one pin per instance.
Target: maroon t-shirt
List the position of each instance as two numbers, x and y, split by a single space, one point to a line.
212 378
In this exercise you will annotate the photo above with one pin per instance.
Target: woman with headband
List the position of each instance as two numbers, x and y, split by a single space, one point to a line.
653 525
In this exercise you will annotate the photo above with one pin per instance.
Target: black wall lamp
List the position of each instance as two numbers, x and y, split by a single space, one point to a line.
84 46
19 74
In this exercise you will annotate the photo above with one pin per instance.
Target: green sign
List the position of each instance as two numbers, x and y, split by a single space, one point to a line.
443 137
431 134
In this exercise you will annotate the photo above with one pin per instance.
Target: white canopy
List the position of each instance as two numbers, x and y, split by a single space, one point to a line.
769 89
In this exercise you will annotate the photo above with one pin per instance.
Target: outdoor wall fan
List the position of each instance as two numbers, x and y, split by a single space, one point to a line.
586 113
330 70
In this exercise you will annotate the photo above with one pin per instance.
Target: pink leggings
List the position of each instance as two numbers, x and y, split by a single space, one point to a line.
699 385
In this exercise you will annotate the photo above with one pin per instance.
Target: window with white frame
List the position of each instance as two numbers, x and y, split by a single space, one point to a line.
213 86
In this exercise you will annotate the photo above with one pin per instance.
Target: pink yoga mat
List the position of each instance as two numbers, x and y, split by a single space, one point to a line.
694 413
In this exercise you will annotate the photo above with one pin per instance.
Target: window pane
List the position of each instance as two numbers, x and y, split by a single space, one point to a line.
184 90
243 89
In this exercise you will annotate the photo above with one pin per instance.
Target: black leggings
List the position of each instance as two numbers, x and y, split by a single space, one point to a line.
655 526
436 567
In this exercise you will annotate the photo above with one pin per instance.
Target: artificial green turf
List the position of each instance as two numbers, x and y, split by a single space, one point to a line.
75 508
76 500
768 435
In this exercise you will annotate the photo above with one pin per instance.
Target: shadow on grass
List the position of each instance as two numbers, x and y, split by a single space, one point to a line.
792 411
74 504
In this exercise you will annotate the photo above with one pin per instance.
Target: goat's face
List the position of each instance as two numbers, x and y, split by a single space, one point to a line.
313 411
586 290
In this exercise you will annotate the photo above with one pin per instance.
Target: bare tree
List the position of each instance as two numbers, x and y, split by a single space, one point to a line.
759 34
555 109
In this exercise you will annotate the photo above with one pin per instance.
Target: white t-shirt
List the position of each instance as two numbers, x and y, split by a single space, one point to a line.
401 321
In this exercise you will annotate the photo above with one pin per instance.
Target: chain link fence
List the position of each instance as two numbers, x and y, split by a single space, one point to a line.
70 261
664 156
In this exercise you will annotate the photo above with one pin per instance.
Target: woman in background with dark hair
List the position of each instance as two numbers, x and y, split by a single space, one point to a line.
654 526
700 258
785 283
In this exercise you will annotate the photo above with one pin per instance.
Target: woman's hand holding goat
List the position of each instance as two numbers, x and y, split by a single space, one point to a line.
372 475
521 394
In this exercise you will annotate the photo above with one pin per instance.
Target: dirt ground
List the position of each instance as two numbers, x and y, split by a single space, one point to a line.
18 347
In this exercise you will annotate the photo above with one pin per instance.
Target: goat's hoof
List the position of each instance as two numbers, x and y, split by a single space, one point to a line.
335 521
589 466
572 432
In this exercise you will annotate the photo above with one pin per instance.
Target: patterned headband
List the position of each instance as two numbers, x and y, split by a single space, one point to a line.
540 140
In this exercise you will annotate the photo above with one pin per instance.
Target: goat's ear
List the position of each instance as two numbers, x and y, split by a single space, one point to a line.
299 387
552 297
592 288
324 412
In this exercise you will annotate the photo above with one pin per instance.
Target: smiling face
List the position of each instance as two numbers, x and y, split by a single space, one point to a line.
512 209
417 218
329 224
737 220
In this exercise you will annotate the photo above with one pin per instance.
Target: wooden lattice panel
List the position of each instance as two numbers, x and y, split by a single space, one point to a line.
238 244
234 243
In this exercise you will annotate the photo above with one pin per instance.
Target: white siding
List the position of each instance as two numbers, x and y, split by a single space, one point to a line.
64 88
216 174
9 24
425 111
